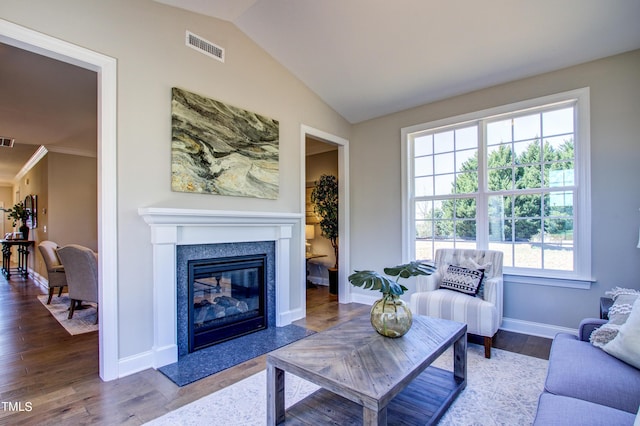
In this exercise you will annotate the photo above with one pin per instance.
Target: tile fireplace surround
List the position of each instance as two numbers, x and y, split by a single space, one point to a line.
173 227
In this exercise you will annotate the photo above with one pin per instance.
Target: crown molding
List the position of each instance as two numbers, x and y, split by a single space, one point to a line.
35 158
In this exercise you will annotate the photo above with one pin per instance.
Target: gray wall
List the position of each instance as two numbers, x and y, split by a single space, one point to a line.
615 156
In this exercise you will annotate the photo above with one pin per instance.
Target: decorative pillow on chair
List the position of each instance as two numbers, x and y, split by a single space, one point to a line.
486 268
623 300
464 280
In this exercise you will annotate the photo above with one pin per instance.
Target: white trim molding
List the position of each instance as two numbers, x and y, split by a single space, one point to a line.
535 328
576 276
344 288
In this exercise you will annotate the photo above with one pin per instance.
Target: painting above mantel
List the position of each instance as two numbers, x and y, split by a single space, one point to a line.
220 149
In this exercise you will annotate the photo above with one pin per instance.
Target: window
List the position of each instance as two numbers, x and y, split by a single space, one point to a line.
513 178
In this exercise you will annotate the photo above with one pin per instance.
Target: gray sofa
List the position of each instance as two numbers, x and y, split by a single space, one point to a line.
587 386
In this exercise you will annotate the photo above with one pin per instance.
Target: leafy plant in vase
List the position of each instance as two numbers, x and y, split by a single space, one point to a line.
19 213
390 316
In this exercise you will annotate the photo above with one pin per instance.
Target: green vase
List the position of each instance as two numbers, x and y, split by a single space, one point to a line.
391 317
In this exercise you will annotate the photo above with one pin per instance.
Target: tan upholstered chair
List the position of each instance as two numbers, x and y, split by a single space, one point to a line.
55 271
482 313
81 266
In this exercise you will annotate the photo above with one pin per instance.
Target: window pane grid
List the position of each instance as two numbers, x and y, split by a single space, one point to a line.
530 188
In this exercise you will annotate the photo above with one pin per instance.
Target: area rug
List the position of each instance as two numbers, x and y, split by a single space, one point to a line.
501 390
83 320
205 362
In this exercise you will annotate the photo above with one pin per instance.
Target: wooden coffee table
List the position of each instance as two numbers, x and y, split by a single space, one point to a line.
367 377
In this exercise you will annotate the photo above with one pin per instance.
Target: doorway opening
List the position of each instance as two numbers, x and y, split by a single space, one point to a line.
321 168
106 70
325 154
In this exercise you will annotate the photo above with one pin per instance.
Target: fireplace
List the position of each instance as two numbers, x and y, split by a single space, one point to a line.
227 297
224 290
178 234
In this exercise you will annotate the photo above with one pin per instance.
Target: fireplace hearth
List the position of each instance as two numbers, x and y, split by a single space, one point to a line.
227 297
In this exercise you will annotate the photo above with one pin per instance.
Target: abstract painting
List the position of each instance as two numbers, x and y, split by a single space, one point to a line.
220 149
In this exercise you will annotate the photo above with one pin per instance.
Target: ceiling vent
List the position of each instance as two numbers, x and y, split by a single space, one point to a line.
204 46
6 142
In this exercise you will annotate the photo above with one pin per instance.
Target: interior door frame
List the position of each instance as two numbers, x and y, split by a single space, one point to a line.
344 290
106 69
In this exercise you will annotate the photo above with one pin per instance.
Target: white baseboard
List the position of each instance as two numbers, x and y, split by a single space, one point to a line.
535 328
286 318
39 279
135 363
365 299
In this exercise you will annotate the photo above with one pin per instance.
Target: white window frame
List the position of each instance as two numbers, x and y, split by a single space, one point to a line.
579 278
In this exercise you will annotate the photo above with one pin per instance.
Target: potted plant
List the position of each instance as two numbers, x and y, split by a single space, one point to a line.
390 315
19 213
325 203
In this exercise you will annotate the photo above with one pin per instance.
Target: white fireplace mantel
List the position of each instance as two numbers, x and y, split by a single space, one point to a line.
171 227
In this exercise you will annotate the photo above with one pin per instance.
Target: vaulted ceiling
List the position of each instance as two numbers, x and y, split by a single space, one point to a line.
365 58
368 58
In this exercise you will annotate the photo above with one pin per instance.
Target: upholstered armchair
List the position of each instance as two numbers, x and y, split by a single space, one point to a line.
81 266
482 312
55 271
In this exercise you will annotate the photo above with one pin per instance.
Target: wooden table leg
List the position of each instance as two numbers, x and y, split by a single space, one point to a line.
275 395
460 359
372 417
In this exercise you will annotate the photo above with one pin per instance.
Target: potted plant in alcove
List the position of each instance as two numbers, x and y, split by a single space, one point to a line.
19 213
325 203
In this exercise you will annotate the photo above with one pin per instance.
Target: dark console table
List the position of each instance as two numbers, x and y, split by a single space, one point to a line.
23 257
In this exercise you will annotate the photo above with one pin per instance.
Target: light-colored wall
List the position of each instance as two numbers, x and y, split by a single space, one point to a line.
66 190
615 155
316 166
6 197
72 208
147 39
34 182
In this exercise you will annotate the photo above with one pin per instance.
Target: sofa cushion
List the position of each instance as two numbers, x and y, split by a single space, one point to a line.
580 370
562 410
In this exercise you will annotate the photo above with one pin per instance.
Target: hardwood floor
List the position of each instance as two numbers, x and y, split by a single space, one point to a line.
50 377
